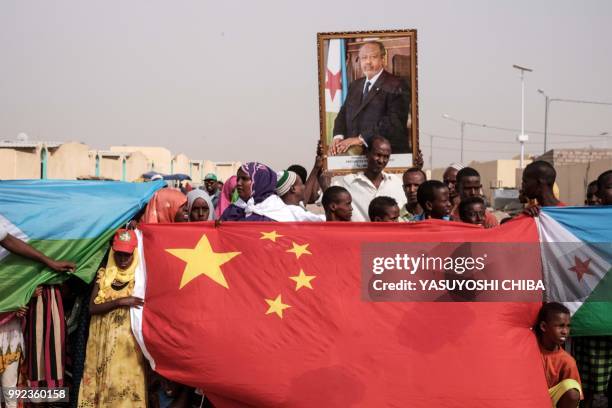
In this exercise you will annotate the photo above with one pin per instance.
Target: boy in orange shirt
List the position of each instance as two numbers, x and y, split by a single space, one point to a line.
552 330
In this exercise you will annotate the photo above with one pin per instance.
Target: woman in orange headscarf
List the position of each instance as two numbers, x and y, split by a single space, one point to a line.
167 205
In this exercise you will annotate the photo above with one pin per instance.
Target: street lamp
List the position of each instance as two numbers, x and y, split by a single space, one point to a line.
549 100
522 138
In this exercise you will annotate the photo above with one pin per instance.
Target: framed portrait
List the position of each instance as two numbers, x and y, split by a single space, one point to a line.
367 88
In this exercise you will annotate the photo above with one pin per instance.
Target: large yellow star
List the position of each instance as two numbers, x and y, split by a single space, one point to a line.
272 235
202 260
302 280
299 250
276 306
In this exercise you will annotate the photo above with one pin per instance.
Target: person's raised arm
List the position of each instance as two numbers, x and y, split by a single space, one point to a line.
312 182
17 246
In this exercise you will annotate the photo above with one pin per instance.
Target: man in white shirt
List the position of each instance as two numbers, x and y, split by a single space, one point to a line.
290 189
373 182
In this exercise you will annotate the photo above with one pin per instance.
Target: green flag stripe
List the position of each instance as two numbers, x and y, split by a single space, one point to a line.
20 276
594 317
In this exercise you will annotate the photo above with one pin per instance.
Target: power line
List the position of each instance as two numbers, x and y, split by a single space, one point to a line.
594 139
506 129
469 150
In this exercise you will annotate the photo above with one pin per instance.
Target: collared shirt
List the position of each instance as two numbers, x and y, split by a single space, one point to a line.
371 81
3 232
363 191
405 215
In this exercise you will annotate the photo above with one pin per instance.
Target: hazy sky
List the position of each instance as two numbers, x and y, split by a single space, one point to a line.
237 80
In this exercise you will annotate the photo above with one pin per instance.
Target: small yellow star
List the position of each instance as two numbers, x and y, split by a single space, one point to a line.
202 260
299 250
302 280
276 306
272 235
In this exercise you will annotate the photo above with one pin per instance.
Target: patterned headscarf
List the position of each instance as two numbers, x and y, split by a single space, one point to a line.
163 206
263 180
263 183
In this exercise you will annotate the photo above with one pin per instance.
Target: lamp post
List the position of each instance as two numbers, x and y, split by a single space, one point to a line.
546 103
549 100
522 138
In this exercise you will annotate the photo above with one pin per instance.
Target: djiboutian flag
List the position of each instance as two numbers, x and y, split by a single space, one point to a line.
333 84
577 257
272 315
68 220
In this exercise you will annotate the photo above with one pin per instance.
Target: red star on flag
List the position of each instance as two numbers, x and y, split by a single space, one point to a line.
581 267
333 83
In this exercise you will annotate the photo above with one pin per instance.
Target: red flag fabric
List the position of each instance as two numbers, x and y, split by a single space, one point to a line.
273 315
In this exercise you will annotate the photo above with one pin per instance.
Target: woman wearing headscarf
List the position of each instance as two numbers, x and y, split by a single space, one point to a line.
167 205
228 196
258 202
199 206
114 373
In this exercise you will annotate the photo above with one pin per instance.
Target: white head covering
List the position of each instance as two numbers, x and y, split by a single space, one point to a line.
286 180
194 195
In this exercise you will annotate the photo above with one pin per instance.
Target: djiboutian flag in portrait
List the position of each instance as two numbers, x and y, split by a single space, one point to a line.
273 315
334 83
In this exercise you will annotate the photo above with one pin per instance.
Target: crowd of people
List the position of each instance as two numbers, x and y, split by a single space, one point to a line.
80 336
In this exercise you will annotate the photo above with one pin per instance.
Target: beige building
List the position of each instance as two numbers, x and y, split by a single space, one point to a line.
494 174
23 159
575 169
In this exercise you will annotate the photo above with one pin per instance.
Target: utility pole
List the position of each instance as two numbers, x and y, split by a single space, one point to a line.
522 138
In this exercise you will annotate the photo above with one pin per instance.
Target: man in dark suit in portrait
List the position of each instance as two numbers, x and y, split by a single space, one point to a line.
377 104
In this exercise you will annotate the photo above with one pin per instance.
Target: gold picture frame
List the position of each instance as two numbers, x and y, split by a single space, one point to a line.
400 60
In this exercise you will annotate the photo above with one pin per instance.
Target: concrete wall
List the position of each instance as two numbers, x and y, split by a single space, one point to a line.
158 158
573 179
223 170
181 164
72 160
19 163
136 165
69 161
562 157
111 167
196 171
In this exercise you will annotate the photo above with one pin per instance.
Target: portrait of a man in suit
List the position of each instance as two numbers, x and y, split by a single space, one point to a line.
376 104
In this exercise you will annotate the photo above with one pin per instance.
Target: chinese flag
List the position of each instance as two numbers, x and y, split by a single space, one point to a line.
272 315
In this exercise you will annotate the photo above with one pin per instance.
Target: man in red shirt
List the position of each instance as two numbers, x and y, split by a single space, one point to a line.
469 185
